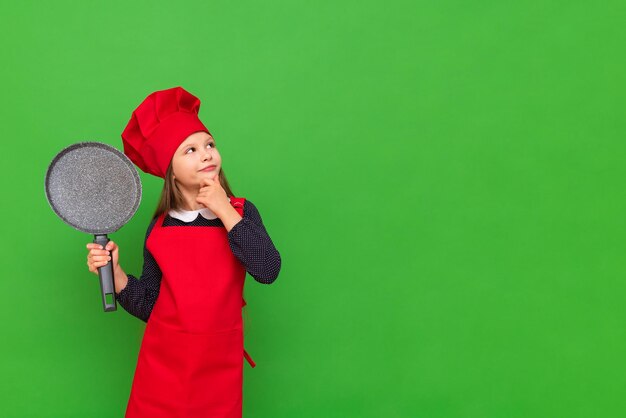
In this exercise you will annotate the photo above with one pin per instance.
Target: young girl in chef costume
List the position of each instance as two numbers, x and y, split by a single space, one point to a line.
198 248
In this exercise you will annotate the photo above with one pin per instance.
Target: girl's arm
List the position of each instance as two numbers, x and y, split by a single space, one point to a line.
252 245
139 295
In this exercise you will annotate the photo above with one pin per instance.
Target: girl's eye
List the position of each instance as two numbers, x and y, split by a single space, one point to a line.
212 145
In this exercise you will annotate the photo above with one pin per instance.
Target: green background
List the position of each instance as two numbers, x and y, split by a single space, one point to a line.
443 180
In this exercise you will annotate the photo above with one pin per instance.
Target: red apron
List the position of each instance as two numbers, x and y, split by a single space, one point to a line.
190 362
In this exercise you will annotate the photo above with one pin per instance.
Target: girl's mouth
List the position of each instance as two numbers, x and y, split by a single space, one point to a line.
209 168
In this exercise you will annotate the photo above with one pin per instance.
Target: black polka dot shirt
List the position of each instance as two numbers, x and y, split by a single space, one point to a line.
248 240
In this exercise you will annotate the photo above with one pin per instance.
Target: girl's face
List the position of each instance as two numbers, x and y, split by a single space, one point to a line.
196 159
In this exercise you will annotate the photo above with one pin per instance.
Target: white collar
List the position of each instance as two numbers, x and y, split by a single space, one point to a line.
190 215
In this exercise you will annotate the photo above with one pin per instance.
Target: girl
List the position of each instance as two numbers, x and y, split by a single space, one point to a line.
198 248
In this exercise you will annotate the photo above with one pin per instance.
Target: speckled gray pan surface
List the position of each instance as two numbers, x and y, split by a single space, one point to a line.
93 187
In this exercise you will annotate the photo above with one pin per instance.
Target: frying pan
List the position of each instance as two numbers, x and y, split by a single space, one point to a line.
94 188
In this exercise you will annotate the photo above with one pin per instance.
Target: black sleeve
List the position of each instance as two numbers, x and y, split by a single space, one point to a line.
251 244
139 296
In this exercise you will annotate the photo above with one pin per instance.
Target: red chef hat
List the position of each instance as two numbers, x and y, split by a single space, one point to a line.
158 126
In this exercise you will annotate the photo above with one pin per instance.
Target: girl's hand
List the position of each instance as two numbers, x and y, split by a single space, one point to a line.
99 257
212 195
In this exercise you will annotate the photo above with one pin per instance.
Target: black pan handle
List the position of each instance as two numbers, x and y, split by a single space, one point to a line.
107 284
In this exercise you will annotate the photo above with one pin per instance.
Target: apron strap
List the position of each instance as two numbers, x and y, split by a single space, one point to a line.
247 356
237 203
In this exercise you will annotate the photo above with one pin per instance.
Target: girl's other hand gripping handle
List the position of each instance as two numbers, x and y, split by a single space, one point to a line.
99 257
